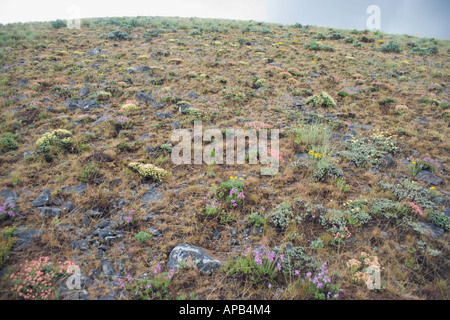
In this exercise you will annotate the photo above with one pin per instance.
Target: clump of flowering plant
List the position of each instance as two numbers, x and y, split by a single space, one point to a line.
129 216
154 287
415 208
36 279
148 171
321 285
361 268
122 122
257 125
261 266
426 164
221 201
6 210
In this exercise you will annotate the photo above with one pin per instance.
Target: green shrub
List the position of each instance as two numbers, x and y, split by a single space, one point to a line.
259 267
281 215
387 208
362 154
326 169
89 173
8 142
142 236
321 100
59 24
315 46
391 46
439 219
117 35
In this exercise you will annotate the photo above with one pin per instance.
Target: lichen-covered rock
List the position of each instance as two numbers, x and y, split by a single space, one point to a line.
193 256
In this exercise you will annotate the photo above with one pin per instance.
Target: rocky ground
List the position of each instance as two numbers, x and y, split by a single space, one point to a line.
363 179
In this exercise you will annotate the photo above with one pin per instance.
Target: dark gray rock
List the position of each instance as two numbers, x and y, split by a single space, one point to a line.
9 196
79 189
435 231
144 97
79 244
422 121
84 91
175 125
26 237
46 212
154 232
163 115
43 199
144 137
428 177
192 95
153 195
313 75
68 206
93 52
447 212
22 82
193 256
86 222
302 156
387 162
85 105
107 268
93 213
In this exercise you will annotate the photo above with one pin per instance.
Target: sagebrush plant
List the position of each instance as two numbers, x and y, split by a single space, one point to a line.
362 154
281 215
149 171
36 279
357 212
325 169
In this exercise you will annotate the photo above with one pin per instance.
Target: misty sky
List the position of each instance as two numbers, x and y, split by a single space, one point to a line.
423 17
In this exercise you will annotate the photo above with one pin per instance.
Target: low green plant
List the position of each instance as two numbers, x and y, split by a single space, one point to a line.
8 237
391 46
155 287
281 216
142 236
258 266
321 100
149 171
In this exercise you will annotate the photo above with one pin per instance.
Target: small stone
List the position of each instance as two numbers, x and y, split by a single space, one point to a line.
43 199
144 97
26 237
68 206
49 212
152 195
193 256
428 177
107 268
